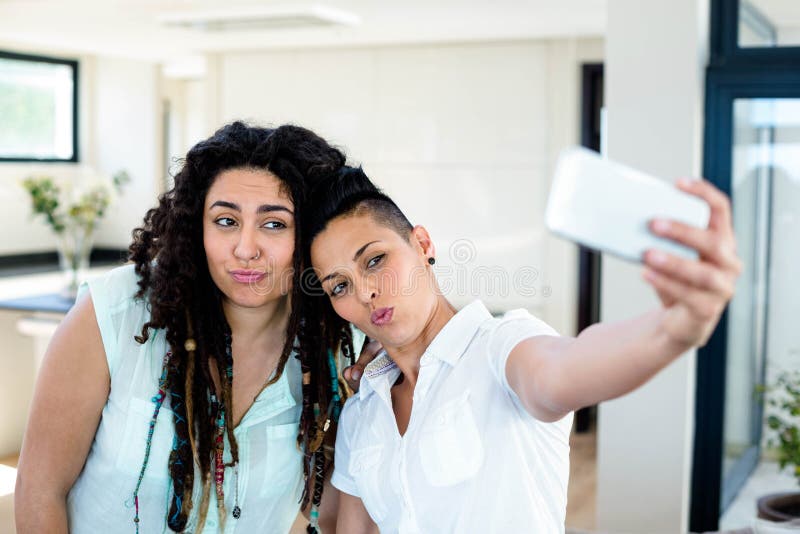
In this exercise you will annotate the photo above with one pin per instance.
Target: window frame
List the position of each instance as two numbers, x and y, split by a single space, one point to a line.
725 49
74 66
733 72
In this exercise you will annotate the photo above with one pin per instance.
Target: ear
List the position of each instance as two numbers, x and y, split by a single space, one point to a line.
421 240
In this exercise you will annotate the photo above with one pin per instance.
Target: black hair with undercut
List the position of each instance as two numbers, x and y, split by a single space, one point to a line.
350 192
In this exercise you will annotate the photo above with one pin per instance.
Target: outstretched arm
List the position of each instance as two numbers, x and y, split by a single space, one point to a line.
555 375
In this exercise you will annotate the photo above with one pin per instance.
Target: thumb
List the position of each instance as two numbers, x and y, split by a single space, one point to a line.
352 375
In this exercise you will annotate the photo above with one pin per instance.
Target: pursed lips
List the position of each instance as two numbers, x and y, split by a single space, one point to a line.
381 316
246 276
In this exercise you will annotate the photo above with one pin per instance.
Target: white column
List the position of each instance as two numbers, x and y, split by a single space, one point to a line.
656 53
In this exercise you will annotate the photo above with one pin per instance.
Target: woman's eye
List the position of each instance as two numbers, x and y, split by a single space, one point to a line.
375 261
274 225
338 289
224 221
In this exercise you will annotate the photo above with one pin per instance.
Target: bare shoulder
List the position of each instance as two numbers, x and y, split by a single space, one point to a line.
71 390
76 350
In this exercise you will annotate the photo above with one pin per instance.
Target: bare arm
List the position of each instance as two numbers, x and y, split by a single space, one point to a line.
553 376
556 375
328 508
71 390
353 517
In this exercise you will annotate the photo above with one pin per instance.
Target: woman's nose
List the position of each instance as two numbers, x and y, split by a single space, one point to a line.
367 292
247 247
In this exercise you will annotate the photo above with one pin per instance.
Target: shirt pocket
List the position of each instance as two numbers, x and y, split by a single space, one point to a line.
283 462
365 468
450 445
134 440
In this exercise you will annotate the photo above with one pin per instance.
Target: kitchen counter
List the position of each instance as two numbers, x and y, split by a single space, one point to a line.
40 292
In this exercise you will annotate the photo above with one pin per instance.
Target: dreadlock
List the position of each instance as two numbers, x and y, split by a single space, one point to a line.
183 300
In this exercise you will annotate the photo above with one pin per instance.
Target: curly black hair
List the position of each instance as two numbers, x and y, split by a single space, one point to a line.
174 279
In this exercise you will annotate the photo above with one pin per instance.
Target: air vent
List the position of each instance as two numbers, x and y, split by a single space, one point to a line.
260 18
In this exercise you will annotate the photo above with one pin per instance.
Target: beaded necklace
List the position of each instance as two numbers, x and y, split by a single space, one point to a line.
317 456
217 412
158 400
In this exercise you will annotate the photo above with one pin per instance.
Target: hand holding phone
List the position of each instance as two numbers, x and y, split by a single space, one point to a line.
607 206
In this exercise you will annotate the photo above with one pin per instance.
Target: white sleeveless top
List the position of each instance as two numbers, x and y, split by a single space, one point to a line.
270 465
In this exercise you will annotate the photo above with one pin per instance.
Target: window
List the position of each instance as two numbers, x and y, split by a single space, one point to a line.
769 23
38 108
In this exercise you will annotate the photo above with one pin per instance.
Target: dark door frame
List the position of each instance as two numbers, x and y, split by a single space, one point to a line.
589 263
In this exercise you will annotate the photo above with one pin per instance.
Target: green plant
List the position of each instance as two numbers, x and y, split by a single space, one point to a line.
783 418
50 200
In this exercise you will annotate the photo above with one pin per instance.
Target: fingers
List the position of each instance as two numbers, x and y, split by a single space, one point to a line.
717 200
369 351
705 306
665 299
700 275
718 247
352 375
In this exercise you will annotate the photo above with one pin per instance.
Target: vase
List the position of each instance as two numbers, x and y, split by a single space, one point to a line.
780 506
74 248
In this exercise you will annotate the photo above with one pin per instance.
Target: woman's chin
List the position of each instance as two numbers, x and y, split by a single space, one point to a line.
390 335
251 298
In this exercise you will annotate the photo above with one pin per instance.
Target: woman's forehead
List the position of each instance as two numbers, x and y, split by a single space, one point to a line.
344 236
249 184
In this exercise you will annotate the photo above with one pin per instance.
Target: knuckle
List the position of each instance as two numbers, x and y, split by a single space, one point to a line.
717 248
707 279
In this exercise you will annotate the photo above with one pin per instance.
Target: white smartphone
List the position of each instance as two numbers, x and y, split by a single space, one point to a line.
607 206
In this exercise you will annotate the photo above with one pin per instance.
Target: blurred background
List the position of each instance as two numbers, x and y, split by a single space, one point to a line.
458 110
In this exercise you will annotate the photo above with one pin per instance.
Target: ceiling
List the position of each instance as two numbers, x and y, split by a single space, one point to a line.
131 28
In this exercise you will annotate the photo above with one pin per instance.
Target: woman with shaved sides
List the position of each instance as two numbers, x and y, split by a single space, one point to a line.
463 425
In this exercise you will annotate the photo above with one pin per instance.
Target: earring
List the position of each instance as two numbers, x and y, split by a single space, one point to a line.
258 255
431 260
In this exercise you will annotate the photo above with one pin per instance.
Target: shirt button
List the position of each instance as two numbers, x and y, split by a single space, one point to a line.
442 420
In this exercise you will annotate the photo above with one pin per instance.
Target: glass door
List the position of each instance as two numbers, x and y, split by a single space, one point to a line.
765 183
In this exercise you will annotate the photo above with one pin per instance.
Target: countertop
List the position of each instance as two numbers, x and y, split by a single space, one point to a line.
40 291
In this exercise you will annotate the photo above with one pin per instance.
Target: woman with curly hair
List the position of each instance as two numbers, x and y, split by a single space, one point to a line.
182 391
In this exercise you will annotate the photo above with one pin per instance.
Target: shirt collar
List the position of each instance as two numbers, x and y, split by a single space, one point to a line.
448 346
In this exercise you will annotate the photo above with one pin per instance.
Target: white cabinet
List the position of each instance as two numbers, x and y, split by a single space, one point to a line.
24 337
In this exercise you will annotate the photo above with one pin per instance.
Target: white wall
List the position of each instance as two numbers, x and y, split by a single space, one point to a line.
462 135
655 59
127 134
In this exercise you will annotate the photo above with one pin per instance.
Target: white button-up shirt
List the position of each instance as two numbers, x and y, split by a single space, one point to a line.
472 459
